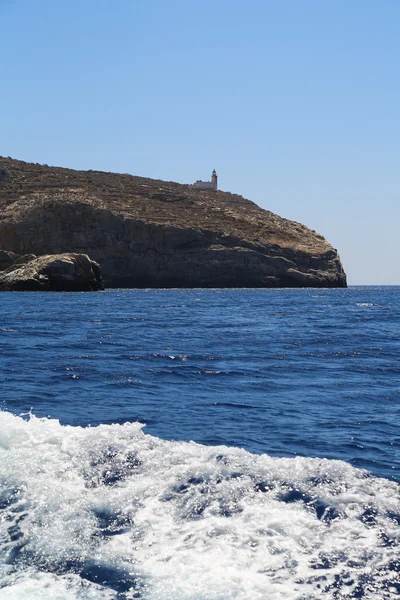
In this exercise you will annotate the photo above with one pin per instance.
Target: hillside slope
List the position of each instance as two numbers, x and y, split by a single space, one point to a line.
150 233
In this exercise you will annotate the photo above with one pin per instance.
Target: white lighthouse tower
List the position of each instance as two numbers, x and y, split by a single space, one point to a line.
214 180
207 185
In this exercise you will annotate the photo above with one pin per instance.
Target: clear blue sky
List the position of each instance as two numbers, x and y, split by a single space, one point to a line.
296 103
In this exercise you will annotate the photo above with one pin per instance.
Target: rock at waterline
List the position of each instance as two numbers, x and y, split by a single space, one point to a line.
51 273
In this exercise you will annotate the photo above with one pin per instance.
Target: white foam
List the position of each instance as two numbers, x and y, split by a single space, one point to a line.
46 586
90 513
365 304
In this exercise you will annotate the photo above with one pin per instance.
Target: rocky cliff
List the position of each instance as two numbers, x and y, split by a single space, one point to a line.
149 233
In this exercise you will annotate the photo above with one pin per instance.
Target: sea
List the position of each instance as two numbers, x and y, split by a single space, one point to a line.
200 444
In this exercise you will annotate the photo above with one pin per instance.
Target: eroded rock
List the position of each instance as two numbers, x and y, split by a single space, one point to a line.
59 273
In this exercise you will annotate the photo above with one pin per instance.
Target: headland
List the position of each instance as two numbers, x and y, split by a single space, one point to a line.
151 233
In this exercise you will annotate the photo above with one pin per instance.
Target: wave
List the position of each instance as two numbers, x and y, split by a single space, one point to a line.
109 512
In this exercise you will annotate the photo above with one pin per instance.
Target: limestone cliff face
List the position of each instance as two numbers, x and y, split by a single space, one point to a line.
149 233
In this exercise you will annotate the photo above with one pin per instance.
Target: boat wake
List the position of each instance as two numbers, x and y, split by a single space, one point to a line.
111 513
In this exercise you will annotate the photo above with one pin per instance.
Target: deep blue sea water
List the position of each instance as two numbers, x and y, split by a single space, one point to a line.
283 372
100 508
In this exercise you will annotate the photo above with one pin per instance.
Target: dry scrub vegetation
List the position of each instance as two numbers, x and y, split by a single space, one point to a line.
153 201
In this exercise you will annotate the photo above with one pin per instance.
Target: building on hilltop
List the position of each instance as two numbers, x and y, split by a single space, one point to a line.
207 185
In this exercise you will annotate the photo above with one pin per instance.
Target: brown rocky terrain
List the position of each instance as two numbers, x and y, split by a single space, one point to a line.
150 233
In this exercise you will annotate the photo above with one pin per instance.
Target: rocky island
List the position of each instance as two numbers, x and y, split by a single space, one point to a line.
150 233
